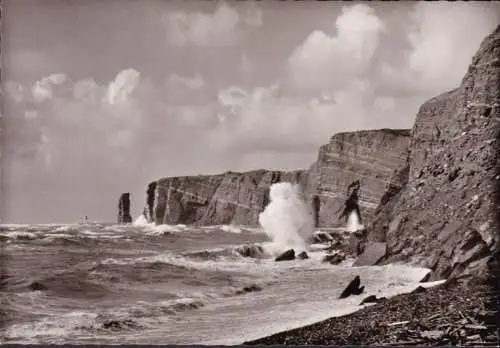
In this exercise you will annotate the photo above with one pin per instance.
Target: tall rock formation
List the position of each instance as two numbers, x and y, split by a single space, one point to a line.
216 199
369 157
439 210
124 216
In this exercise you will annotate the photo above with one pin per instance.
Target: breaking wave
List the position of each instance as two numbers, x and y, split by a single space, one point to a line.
287 220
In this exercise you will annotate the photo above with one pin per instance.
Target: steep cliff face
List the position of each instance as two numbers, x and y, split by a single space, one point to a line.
439 209
368 156
217 199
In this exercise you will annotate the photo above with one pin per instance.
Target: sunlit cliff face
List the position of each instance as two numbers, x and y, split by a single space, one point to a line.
167 89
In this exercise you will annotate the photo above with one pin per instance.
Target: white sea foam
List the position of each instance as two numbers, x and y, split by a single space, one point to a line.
353 223
230 229
141 221
286 220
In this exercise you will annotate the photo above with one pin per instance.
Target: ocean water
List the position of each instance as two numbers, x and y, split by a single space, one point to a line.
141 284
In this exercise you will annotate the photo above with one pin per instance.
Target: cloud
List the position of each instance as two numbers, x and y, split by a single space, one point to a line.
195 82
42 89
220 28
323 61
14 91
264 119
441 45
122 86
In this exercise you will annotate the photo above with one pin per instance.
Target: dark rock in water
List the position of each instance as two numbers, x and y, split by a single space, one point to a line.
286 256
302 256
36 286
254 251
353 288
247 289
371 299
335 258
124 209
373 253
119 324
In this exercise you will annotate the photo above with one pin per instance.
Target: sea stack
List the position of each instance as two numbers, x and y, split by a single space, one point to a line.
124 209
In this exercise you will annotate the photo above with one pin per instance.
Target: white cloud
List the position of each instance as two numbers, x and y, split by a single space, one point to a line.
42 89
322 61
220 28
122 86
217 29
435 48
261 117
253 15
30 115
14 90
443 38
385 103
86 89
195 82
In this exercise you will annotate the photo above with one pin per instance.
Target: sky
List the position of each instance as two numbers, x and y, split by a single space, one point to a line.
103 97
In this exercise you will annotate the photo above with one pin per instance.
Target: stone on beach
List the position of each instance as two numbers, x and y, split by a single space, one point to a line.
286 256
353 288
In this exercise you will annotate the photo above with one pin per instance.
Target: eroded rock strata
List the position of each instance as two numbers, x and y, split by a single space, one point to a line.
439 209
427 193
236 198
369 157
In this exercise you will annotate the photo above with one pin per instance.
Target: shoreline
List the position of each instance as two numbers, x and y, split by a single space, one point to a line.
453 313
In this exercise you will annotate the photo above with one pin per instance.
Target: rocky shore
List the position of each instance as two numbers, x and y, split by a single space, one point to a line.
454 313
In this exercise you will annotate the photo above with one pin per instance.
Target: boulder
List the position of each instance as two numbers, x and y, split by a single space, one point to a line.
246 289
371 299
286 256
353 288
334 258
373 253
37 286
302 256
254 251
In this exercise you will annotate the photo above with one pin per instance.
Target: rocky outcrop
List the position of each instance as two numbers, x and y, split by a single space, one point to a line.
124 216
353 288
439 209
372 254
229 198
369 157
366 158
288 255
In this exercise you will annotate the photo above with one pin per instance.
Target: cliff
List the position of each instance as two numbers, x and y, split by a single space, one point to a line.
439 210
214 199
370 156
238 198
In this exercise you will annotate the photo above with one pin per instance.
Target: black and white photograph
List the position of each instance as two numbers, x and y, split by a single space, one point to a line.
231 172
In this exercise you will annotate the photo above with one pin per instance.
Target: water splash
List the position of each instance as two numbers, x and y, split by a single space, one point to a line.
353 224
287 219
141 221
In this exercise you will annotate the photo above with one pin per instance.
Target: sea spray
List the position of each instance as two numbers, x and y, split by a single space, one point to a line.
353 224
287 219
141 221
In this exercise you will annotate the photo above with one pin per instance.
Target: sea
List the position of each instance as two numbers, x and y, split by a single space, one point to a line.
103 283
